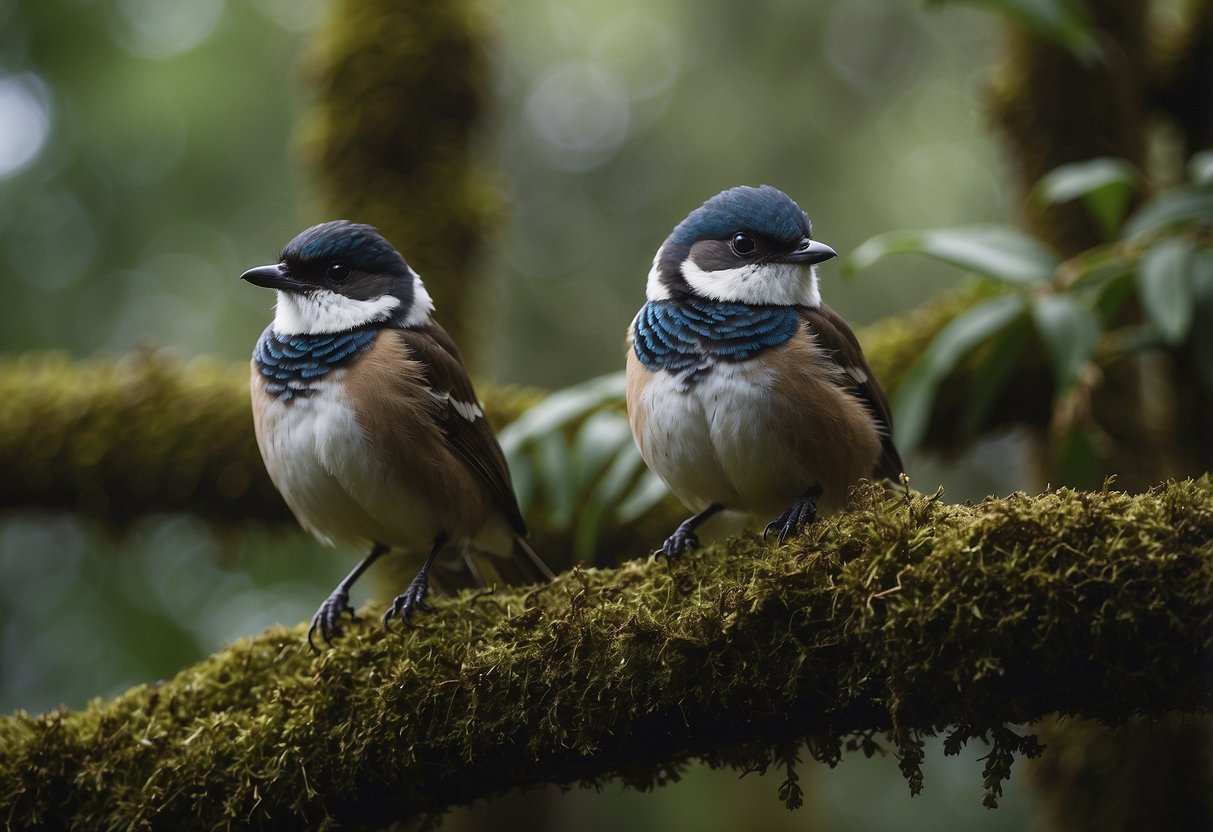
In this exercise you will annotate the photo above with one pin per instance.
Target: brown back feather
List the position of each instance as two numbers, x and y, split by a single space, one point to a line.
837 339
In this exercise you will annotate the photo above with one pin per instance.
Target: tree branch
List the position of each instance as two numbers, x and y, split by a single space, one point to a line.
118 439
900 618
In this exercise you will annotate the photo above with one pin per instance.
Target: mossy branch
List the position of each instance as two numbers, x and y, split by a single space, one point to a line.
118 439
898 619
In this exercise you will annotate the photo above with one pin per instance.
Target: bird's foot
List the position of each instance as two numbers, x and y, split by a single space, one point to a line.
683 540
411 599
798 515
327 620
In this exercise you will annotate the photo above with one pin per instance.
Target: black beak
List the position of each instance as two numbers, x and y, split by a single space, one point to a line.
810 251
271 277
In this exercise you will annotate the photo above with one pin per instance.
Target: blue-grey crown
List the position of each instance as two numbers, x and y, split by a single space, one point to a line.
361 246
767 211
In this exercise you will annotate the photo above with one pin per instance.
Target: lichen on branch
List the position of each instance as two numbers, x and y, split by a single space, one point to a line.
900 618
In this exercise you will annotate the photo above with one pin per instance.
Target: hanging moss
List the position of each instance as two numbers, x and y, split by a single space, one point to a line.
899 619
400 90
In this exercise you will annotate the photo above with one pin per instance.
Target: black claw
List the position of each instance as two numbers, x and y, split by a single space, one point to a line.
327 620
683 540
798 515
412 598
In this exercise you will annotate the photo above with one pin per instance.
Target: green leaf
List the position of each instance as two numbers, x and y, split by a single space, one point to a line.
1000 359
1077 459
554 471
1070 331
598 441
997 251
1115 292
522 473
1105 186
916 393
1166 290
1200 168
619 475
1062 21
561 408
1178 207
648 492
1202 330
1201 269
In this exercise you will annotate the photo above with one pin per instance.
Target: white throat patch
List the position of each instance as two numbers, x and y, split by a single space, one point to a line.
322 311
775 284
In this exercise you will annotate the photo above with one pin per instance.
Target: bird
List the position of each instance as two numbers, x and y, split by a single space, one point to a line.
369 426
745 392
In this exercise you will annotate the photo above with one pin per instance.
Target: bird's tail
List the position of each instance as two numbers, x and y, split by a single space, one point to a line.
533 558
480 567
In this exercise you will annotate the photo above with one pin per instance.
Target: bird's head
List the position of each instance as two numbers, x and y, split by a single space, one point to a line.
338 276
744 245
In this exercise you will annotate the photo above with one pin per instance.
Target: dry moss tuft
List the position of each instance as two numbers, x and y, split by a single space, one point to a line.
899 619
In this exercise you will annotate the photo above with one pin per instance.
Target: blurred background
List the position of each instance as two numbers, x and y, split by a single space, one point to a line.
150 151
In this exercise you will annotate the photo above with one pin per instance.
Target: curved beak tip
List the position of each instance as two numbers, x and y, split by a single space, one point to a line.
809 252
813 251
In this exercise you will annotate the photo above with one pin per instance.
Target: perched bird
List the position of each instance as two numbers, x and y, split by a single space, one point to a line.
745 392
368 423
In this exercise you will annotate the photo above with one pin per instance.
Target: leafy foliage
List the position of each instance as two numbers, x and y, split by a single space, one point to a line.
1141 289
573 453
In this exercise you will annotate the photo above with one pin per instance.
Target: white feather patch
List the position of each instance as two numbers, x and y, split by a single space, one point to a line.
322 311
656 289
331 477
777 284
718 441
423 304
468 410
859 375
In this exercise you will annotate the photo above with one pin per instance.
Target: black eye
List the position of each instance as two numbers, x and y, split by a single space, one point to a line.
338 272
742 243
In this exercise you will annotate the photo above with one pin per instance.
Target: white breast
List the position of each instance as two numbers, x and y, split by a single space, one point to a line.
716 441
319 459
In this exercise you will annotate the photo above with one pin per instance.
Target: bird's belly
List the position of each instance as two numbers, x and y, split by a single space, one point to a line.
716 441
321 462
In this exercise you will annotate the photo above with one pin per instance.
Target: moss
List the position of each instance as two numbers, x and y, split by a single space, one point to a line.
899 619
117 439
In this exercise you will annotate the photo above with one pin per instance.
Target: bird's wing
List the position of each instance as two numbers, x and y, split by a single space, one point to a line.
464 427
839 342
